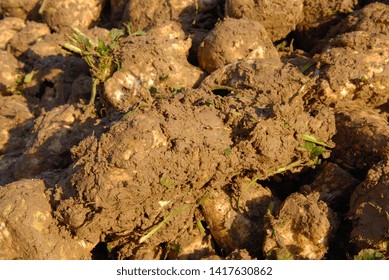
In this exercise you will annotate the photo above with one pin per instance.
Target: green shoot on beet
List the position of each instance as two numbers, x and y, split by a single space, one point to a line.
99 56
164 221
369 254
172 214
315 148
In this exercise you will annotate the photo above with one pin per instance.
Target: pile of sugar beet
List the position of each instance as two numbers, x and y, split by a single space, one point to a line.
230 129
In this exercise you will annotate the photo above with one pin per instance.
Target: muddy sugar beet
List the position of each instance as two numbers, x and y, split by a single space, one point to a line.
277 21
232 40
74 13
145 15
301 230
151 65
147 161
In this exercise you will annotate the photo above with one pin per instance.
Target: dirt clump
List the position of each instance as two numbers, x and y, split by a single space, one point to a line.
232 40
334 185
371 18
362 137
145 15
237 223
318 19
301 230
262 96
10 73
369 206
354 64
53 135
23 9
369 210
57 77
52 81
74 13
9 26
28 229
31 33
277 21
16 121
151 67
133 172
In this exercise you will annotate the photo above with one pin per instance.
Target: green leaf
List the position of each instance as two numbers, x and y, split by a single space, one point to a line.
199 225
153 90
309 146
82 40
102 48
115 33
201 200
312 139
317 151
72 48
164 221
138 33
306 67
166 183
113 45
28 78
369 254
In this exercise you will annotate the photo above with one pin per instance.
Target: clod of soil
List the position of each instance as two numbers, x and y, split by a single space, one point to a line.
9 72
333 183
9 26
28 229
238 223
318 18
264 108
151 66
57 77
45 48
350 62
371 18
30 34
24 9
147 167
354 64
193 244
239 254
15 119
279 17
143 15
232 40
53 135
369 209
52 81
74 13
301 230
362 136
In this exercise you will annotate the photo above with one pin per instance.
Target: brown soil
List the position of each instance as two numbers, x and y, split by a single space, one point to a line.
206 141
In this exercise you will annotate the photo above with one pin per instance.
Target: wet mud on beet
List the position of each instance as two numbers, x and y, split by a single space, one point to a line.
218 133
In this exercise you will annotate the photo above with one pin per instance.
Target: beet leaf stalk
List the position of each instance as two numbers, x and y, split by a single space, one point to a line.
99 56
